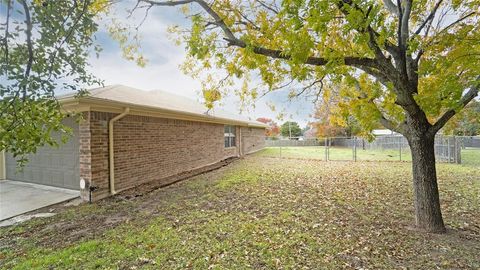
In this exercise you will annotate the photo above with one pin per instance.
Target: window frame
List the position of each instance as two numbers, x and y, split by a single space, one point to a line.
229 136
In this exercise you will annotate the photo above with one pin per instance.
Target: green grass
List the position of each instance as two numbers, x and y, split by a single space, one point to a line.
261 213
470 157
335 153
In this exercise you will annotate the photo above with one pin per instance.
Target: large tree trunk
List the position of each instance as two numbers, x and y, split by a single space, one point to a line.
428 216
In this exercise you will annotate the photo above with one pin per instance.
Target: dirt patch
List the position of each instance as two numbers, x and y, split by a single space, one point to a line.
86 221
146 188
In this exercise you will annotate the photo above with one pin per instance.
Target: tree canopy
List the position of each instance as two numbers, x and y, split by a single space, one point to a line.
273 130
388 68
466 122
409 65
290 129
44 47
331 121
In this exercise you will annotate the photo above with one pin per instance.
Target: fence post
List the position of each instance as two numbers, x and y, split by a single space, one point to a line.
448 150
458 151
454 141
329 140
354 148
280 151
400 147
326 146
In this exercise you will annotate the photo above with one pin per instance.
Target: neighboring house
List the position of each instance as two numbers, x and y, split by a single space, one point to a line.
128 137
311 133
383 132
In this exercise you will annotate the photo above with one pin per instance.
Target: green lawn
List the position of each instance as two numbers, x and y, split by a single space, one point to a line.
261 213
335 153
470 157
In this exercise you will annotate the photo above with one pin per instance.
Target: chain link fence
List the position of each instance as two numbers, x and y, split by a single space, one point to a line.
448 149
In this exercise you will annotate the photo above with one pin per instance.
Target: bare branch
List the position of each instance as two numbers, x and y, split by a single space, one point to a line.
469 96
144 17
283 85
275 88
311 85
457 21
267 6
421 52
429 17
168 3
317 96
247 22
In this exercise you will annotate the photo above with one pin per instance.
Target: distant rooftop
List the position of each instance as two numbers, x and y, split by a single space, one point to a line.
383 132
157 99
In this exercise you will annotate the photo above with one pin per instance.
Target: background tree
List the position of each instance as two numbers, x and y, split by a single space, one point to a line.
465 123
331 121
44 47
290 129
410 65
273 129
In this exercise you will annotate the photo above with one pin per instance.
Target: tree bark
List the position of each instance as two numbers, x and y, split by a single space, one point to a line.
428 216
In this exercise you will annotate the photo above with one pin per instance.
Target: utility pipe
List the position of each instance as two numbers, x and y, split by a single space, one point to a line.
110 149
3 167
240 145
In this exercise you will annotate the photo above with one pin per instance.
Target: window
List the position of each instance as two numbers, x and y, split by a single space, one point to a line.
229 134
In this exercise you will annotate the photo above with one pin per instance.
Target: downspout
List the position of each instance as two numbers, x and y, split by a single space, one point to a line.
110 149
3 167
240 146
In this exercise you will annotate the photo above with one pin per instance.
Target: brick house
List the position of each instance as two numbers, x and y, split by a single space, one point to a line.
124 137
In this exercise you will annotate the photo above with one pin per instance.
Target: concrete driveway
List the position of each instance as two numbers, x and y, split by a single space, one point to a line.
18 198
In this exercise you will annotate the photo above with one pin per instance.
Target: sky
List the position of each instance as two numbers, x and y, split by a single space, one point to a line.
162 70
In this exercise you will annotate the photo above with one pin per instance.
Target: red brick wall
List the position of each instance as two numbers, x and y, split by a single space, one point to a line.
149 148
85 157
253 139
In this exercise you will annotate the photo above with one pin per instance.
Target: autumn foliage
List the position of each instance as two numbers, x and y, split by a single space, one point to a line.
273 129
466 122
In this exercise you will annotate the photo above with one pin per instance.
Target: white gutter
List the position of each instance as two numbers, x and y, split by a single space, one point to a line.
110 149
172 112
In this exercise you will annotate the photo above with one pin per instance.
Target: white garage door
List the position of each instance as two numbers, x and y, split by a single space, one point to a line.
51 166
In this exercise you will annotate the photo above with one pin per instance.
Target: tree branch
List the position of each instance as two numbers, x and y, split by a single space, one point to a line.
168 3
7 34
429 17
267 6
28 33
404 31
310 86
469 96
218 20
457 21
69 34
277 54
391 6
390 125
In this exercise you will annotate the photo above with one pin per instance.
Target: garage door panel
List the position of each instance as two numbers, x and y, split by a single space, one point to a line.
51 165
58 178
